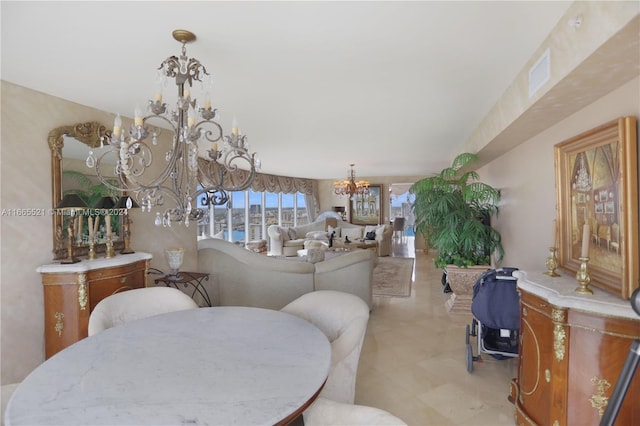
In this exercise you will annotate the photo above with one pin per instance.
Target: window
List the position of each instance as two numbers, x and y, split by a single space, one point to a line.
248 214
400 201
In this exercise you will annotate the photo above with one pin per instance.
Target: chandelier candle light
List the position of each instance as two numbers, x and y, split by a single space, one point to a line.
195 164
349 187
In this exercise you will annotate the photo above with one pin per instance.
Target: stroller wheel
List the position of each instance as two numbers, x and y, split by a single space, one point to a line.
474 325
469 358
468 333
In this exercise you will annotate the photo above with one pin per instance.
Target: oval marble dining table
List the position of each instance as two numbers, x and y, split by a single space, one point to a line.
213 366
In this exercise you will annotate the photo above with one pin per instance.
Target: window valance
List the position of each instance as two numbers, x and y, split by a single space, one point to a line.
263 182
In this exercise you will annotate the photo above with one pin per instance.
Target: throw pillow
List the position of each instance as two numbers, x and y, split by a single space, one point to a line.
292 234
370 228
338 231
379 232
284 233
352 233
330 222
316 235
371 235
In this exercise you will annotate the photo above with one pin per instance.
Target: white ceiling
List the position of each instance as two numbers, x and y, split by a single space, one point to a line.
395 87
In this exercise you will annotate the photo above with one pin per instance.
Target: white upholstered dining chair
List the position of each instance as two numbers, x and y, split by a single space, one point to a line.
324 412
7 391
343 318
137 304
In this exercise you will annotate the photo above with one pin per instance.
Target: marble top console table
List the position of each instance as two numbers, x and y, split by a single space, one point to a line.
215 366
71 291
572 350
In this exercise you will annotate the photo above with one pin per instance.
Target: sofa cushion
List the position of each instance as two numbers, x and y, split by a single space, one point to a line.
337 230
352 233
330 221
316 235
294 243
370 228
284 233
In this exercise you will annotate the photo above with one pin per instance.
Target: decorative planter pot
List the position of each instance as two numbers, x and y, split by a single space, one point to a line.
461 281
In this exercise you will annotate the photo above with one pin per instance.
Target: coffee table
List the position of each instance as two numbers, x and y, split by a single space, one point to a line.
358 244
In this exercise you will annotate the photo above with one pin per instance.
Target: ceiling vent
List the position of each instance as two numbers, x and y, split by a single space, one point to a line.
539 73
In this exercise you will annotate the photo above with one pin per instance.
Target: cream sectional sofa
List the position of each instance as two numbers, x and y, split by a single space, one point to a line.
286 241
239 277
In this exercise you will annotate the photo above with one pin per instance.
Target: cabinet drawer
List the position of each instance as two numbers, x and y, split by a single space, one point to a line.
105 282
529 301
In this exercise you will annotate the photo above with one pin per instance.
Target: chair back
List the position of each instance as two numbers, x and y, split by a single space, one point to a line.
137 304
398 224
343 318
324 412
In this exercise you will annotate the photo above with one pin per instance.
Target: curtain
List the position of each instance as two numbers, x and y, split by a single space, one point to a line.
264 183
398 189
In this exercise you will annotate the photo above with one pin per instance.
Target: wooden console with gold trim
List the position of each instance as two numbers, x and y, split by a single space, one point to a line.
572 350
71 291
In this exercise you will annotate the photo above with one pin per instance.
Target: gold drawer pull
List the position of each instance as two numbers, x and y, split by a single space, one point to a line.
123 280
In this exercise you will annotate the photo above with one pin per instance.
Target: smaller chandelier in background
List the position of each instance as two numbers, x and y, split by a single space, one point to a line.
350 187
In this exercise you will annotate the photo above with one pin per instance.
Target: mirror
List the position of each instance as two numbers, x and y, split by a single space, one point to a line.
70 146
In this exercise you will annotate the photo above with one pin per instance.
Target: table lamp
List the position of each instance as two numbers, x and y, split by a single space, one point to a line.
125 203
71 202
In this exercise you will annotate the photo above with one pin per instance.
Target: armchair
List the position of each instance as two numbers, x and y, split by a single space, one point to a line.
615 238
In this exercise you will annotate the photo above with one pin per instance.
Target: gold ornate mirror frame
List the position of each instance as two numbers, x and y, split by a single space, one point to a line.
90 134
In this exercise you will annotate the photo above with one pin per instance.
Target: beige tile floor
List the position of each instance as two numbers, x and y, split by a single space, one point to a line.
413 361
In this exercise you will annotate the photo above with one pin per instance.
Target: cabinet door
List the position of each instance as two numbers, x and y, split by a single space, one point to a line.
66 311
536 360
599 347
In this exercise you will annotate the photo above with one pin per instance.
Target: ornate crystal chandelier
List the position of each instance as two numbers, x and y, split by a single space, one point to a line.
192 163
349 187
582 180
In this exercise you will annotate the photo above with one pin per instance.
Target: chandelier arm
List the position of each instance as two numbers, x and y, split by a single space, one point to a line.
232 168
208 132
106 181
128 158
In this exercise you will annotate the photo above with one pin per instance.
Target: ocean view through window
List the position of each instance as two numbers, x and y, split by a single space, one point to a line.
247 214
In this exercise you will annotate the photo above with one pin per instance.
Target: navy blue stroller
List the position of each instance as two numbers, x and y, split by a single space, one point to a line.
496 311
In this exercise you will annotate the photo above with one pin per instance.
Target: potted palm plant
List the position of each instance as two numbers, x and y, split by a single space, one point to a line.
453 209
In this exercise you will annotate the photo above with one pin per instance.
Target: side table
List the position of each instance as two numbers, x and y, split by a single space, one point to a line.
193 279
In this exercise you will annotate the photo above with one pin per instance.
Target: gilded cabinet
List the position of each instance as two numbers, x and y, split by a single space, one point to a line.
572 349
71 291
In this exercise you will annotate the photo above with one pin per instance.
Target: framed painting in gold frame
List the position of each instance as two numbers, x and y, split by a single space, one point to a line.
597 185
366 209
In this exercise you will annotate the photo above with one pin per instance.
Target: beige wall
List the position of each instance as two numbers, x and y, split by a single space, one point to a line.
25 182
526 176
